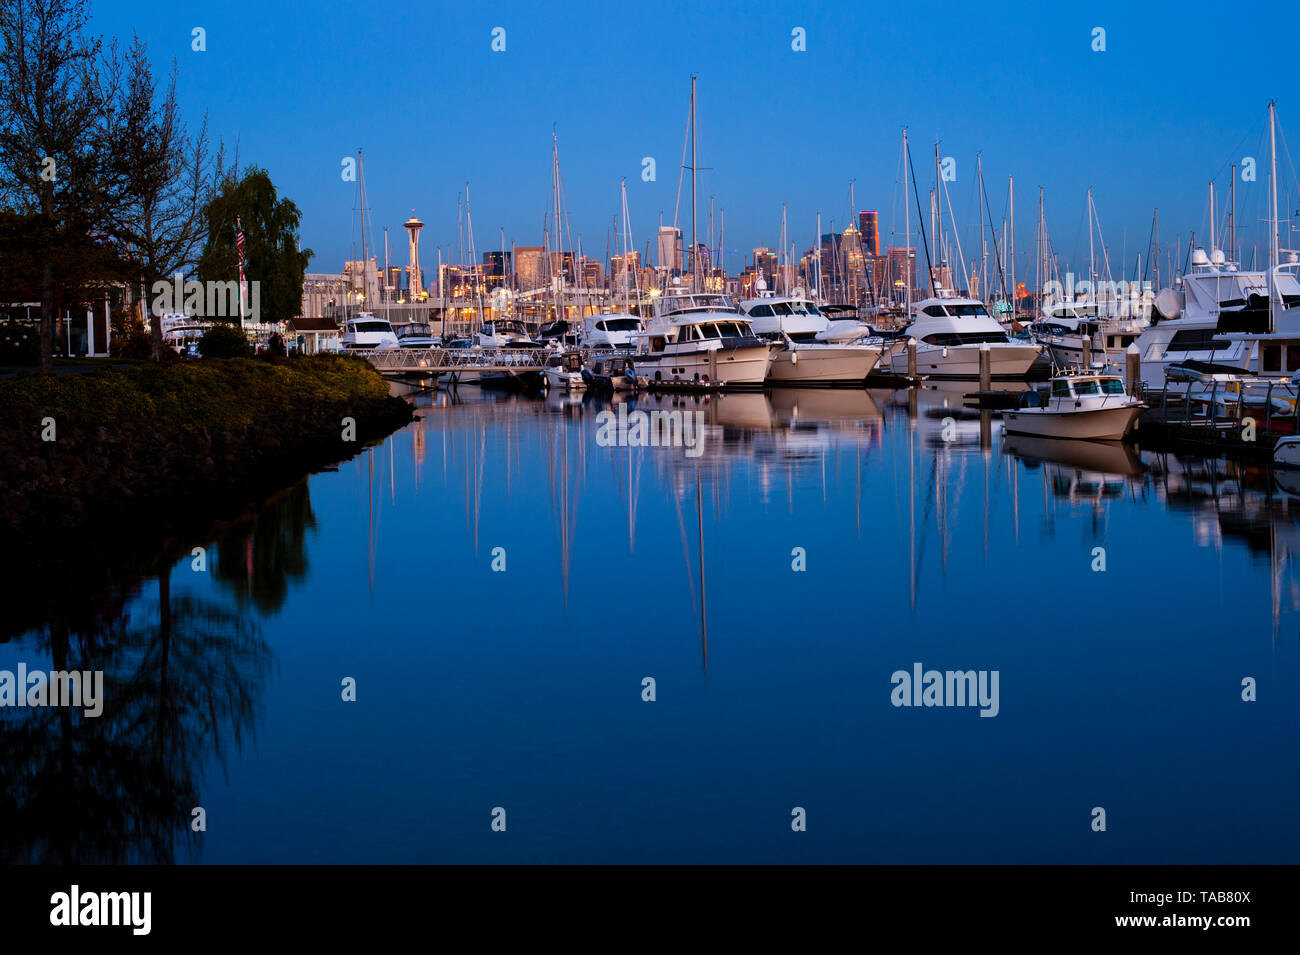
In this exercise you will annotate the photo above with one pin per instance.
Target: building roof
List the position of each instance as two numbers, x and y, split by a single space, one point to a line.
313 324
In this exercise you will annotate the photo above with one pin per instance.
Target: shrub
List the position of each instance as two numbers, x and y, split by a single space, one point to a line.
224 341
19 343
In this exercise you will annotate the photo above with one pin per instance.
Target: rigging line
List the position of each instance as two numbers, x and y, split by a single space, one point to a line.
928 266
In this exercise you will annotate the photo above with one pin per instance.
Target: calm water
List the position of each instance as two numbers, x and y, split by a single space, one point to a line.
522 688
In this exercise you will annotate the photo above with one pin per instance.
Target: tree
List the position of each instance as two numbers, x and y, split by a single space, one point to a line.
270 225
159 222
55 174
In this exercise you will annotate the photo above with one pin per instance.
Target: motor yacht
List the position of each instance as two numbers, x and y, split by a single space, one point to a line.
808 349
949 332
365 331
701 339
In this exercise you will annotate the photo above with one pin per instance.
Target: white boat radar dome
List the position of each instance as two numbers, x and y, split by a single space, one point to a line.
1217 257
1199 258
1168 303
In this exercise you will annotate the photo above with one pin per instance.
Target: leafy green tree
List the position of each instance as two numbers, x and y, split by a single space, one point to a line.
271 253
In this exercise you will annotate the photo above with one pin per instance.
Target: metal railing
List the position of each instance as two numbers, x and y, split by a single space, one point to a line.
455 359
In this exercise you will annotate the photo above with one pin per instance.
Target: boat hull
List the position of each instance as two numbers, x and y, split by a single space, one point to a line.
963 361
1286 453
1097 424
743 367
568 380
829 364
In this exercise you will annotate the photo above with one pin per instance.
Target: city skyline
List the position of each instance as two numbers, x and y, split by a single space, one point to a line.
777 126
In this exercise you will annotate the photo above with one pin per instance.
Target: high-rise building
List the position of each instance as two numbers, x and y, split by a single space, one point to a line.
496 269
362 291
670 249
902 272
593 273
530 266
869 226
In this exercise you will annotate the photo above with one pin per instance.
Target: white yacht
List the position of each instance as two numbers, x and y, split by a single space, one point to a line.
614 330
1218 314
700 339
949 332
1091 407
365 331
808 352
563 371
505 334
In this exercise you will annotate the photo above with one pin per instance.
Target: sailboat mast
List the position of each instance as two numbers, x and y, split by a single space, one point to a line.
907 233
1274 251
818 260
1275 257
1092 256
1011 240
1232 215
984 251
361 174
1212 233
694 257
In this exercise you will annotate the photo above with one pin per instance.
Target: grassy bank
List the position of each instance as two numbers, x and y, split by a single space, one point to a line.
149 450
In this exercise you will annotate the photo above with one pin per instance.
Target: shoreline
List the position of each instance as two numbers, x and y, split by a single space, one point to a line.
137 469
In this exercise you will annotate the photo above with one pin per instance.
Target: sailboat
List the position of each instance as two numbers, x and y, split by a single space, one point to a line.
365 330
618 329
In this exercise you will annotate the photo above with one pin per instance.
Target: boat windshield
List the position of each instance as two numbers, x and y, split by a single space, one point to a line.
685 303
618 325
804 337
414 330
965 310
1112 386
794 308
371 327
1088 386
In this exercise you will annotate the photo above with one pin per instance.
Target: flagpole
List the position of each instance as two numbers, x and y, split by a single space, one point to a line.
239 236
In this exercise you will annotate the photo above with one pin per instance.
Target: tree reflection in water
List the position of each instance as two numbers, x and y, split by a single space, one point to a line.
183 681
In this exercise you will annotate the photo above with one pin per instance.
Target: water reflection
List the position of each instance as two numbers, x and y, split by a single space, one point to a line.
926 531
184 675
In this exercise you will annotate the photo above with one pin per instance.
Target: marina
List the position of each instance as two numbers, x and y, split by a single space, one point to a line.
629 435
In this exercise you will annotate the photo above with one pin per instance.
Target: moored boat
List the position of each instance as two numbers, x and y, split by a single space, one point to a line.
1089 407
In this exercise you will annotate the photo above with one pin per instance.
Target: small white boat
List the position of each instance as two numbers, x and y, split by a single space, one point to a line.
416 335
1286 453
563 371
505 334
610 373
1089 407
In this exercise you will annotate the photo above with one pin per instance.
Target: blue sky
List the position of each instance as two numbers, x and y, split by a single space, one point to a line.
1176 96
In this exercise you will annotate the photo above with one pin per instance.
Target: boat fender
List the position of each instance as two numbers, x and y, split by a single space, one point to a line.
794 357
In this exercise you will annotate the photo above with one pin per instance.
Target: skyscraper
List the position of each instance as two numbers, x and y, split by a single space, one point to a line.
869 226
670 249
